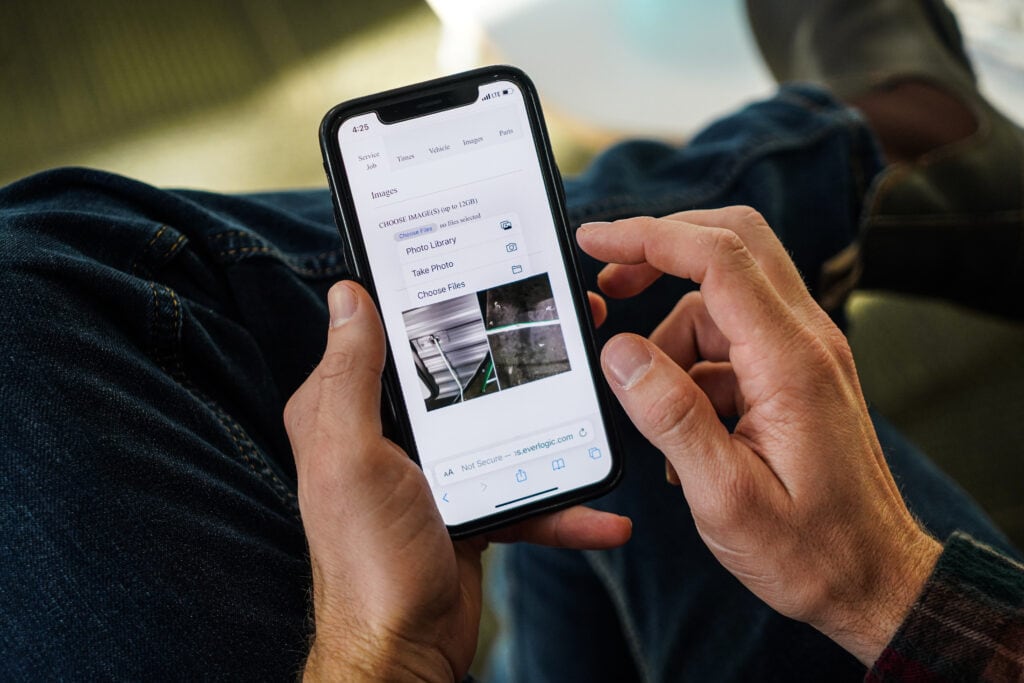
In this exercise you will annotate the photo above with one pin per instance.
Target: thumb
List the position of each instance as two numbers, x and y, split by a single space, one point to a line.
339 402
670 410
349 372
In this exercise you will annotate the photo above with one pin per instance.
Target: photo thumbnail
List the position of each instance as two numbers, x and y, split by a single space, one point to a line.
486 342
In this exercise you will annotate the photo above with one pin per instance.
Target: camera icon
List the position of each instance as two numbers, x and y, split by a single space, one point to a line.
511 246
506 225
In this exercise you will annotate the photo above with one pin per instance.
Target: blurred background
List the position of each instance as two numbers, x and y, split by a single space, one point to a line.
228 96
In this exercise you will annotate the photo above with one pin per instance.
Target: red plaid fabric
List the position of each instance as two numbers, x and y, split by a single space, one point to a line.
968 624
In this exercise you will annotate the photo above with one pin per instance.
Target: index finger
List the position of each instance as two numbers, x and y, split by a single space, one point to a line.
741 300
620 281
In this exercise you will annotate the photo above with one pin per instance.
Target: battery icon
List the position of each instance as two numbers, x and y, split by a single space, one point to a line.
505 92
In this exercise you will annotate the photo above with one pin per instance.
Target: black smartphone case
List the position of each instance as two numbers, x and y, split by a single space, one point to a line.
420 100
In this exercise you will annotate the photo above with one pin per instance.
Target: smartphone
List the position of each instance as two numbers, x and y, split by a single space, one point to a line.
450 203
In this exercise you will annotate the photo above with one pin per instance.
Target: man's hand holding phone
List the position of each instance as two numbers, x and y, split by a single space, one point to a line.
394 597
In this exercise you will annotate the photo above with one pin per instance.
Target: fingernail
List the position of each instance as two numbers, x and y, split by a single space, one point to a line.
342 302
590 226
627 359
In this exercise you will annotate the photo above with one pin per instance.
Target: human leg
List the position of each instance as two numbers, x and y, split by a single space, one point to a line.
150 339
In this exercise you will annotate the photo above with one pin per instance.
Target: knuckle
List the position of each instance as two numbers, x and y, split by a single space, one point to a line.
692 302
729 251
753 229
340 364
821 355
841 349
688 310
297 411
824 364
667 417
741 499
813 351
290 414
347 372
728 244
746 221
744 216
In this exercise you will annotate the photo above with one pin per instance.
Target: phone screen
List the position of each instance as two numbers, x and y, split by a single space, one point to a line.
485 333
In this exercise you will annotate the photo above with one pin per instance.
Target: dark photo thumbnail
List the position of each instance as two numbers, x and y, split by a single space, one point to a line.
524 331
482 343
523 301
525 355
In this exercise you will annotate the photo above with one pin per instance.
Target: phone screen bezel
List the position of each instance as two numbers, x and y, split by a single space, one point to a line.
440 95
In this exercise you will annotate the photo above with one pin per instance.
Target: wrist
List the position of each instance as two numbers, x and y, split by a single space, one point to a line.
362 656
864 628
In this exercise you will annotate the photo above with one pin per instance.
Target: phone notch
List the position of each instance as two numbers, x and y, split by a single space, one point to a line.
432 103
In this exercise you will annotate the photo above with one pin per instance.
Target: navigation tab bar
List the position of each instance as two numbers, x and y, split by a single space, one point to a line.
453 137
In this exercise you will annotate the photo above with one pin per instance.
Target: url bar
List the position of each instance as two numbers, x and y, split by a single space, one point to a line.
515 452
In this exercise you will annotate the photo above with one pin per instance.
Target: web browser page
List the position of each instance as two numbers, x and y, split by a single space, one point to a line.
476 304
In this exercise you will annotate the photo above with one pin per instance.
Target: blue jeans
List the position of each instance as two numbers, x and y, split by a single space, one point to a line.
149 340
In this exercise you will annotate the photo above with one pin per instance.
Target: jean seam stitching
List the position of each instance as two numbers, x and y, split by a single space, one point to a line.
171 363
140 267
137 261
294 263
174 247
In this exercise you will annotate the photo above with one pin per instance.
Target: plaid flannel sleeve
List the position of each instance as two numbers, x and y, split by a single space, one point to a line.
967 625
